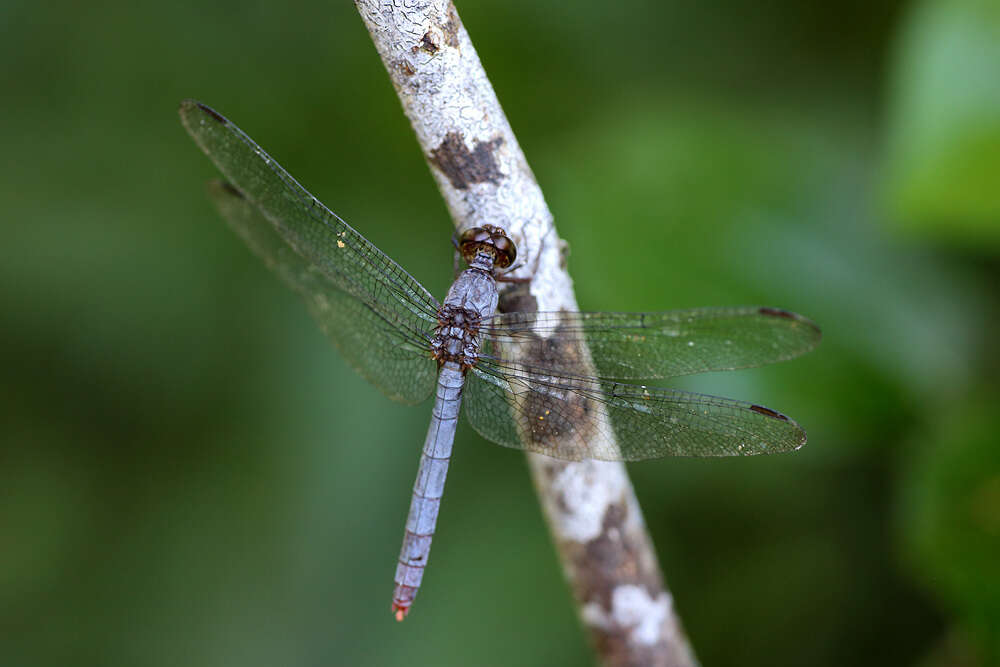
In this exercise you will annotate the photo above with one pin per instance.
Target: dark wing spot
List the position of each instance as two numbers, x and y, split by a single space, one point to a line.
464 167
213 113
777 312
768 412
231 189
788 315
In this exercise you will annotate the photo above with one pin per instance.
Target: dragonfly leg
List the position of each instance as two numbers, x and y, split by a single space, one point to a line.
457 262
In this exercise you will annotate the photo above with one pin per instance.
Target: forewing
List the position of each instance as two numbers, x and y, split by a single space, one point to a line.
574 418
633 346
394 359
322 239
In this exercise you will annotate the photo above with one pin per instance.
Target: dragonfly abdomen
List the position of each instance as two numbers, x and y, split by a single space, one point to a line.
428 488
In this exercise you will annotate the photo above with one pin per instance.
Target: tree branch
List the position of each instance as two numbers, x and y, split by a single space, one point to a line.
592 511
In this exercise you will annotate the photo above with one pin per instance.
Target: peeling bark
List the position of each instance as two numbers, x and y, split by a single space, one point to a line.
590 506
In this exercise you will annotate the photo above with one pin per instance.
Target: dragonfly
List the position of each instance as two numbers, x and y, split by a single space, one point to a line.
552 383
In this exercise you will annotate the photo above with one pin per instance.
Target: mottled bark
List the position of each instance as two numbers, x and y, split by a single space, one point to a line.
593 513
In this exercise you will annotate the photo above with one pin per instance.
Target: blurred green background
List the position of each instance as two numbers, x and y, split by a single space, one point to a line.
190 475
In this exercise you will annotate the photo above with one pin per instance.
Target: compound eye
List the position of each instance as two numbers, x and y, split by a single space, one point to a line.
471 239
472 235
506 252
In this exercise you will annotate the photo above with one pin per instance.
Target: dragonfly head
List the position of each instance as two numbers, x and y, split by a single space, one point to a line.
488 243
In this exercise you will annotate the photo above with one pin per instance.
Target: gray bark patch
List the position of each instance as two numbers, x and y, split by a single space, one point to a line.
518 299
559 418
450 28
464 167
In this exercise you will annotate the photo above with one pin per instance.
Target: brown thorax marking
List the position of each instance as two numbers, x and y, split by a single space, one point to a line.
457 337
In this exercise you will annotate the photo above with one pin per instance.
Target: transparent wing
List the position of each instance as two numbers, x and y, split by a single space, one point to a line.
326 242
658 344
393 358
573 418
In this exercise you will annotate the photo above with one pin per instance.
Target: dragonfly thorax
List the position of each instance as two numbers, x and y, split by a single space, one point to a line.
457 336
471 299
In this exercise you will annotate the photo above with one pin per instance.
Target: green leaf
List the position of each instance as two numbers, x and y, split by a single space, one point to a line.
950 517
943 162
